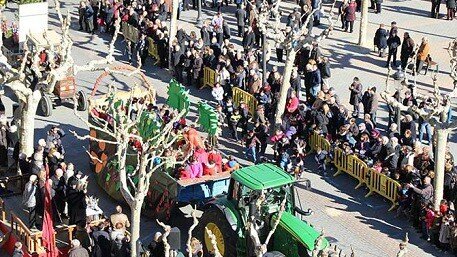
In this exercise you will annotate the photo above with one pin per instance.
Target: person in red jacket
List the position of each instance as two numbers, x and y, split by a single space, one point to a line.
350 16
292 104
210 169
216 157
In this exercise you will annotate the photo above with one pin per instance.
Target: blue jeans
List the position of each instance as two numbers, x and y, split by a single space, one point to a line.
425 127
251 154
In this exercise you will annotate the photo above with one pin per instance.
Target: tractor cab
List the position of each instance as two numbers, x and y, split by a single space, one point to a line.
255 196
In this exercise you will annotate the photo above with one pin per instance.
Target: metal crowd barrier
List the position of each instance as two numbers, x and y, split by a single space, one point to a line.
152 50
209 77
318 141
241 95
384 186
357 168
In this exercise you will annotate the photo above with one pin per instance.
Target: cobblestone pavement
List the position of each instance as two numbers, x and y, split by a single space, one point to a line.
346 216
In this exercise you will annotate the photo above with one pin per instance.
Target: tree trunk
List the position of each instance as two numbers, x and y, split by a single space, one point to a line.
289 65
173 28
27 126
440 149
135 209
363 24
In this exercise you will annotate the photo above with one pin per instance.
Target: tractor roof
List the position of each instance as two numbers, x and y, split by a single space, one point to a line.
262 176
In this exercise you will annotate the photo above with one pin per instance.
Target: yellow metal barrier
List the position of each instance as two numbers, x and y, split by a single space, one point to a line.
209 77
317 140
358 169
241 95
340 161
152 50
384 186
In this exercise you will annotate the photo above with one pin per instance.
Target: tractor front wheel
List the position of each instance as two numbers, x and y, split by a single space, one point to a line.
226 239
45 106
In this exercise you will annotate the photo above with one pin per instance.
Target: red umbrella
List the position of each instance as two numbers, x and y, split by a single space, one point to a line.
48 237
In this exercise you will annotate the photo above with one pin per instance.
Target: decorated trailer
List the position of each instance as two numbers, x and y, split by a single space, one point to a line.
166 192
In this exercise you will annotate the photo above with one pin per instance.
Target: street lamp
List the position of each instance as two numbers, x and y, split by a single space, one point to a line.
199 16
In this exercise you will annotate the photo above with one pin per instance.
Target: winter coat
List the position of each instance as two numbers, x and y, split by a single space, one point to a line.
393 42
423 52
450 4
240 15
205 36
407 47
356 93
350 11
218 93
29 195
372 104
380 38
324 68
78 252
248 40
101 243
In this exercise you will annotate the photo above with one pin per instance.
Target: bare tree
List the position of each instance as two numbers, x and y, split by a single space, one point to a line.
173 29
253 228
28 97
363 24
173 253
452 51
150 146
437 116
293 42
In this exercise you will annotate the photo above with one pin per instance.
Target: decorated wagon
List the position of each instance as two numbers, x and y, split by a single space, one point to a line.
166 192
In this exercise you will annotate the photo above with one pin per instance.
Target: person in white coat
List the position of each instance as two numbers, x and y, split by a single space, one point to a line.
218 94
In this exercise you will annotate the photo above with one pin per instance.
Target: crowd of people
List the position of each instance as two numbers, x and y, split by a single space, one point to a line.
404 153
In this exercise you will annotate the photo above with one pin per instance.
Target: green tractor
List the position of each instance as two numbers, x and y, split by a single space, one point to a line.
256 194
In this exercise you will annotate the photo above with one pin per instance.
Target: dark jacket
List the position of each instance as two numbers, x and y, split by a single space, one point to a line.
450 4
240 15
356 93
380 38
407 47
248 40
102 243
393 42
372 104
205 36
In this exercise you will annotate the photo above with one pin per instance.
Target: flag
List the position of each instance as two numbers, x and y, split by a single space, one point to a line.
48 237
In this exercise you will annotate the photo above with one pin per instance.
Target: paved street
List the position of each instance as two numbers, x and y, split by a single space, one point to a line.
347 218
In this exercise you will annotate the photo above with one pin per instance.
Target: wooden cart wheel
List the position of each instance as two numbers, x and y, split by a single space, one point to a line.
45 106
82 102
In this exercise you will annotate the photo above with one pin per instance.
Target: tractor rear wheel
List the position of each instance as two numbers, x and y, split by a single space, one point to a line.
45 106
215 220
